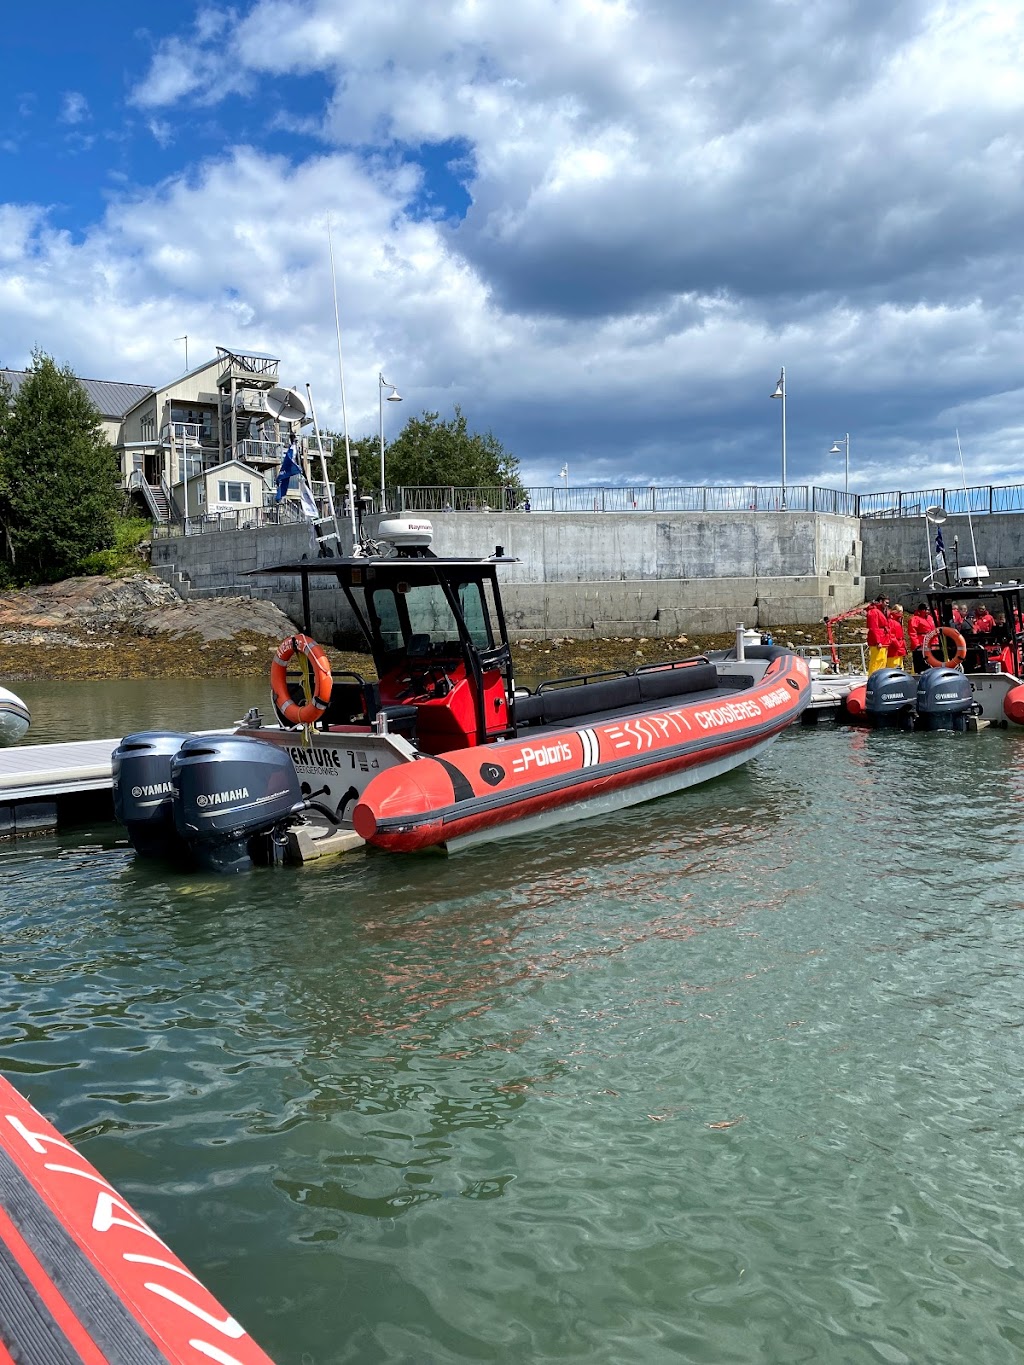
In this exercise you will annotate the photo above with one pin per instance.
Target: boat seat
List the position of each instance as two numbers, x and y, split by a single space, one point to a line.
656 683
528 709
553 704
353 700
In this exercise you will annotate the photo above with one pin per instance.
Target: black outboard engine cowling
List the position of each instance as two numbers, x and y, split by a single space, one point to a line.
232 798
889 698
945 699
143 792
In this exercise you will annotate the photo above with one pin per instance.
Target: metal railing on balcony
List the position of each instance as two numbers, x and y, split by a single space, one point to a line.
181 431
261 452
310 446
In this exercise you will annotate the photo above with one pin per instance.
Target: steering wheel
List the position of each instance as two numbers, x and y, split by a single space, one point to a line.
428 685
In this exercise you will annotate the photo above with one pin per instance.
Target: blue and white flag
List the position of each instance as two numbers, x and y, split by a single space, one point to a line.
940 548
289 468
309 506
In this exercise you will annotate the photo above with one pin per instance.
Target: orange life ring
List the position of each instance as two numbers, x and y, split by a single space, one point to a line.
318 694
954 637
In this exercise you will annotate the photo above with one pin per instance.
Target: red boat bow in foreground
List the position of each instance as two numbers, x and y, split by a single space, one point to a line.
83 1280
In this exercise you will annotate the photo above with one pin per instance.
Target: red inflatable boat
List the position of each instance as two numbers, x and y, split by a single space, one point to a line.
445 750
83 1280
647 748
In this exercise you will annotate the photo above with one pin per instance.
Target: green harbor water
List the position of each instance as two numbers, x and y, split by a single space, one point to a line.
736 1076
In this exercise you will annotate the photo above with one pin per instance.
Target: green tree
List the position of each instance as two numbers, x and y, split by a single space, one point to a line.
429 452
59 478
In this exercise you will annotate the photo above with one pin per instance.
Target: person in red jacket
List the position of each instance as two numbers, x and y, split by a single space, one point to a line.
983 622
919 627
878 633
896 650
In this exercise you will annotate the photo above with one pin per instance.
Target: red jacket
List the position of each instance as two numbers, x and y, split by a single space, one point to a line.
878 627
897 640
983 622
920 626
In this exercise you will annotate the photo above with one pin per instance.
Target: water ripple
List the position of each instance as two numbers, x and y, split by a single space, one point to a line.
735 1076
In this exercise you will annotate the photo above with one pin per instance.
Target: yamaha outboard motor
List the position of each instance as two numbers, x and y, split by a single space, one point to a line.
233 796
889 698
143 792
945 699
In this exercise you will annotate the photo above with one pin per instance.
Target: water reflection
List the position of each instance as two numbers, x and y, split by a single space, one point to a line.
607 1093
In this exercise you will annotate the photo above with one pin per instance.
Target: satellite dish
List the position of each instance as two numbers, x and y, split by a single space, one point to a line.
286 405
936 515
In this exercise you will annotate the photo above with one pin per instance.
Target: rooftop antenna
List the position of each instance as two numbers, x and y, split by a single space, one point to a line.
185 340
344 409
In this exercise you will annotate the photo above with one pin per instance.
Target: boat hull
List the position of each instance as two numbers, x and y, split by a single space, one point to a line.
15 718
617 798
492 791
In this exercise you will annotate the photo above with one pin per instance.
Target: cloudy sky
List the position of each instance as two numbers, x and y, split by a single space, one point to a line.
601 226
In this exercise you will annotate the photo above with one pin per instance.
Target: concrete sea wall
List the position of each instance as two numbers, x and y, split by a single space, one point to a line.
641 574
896 550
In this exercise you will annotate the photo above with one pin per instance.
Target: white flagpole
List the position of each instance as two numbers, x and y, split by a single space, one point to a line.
344 409
963 477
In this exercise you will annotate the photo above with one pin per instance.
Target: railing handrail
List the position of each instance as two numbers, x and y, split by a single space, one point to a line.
245 519
138 481
978 499
627 498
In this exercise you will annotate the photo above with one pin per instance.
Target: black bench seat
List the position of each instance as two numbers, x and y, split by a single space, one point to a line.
592 703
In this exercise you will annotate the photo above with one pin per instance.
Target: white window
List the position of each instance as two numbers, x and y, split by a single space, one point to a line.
234 492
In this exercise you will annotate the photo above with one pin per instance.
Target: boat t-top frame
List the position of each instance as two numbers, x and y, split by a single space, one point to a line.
999 649
434 626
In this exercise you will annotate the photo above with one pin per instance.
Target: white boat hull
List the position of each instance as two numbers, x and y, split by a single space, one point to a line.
15 718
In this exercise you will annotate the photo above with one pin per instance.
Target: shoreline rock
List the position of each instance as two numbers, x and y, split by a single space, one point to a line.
139 628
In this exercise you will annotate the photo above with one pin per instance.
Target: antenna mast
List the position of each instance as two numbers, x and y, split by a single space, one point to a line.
344 408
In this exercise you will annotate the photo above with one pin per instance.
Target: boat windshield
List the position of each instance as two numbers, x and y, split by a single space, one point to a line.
422 610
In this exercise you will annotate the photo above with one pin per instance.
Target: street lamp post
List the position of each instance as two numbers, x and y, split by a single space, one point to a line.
393 397
837 448
185 340
780 392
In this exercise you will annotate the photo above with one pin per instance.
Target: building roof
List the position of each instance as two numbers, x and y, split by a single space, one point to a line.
110 398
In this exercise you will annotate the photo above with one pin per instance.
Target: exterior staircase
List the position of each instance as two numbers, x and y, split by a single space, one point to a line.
153 495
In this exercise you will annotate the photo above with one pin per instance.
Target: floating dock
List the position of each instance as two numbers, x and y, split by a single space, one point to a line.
41 784
46 786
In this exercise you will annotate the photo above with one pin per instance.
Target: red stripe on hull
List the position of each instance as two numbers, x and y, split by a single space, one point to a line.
99 1242
432 801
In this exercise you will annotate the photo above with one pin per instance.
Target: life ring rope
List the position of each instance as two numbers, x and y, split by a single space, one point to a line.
316 680
951 634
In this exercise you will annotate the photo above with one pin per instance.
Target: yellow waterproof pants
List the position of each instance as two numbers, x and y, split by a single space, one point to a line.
878 657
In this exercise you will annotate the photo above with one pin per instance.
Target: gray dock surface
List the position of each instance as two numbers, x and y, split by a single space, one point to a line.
31 771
